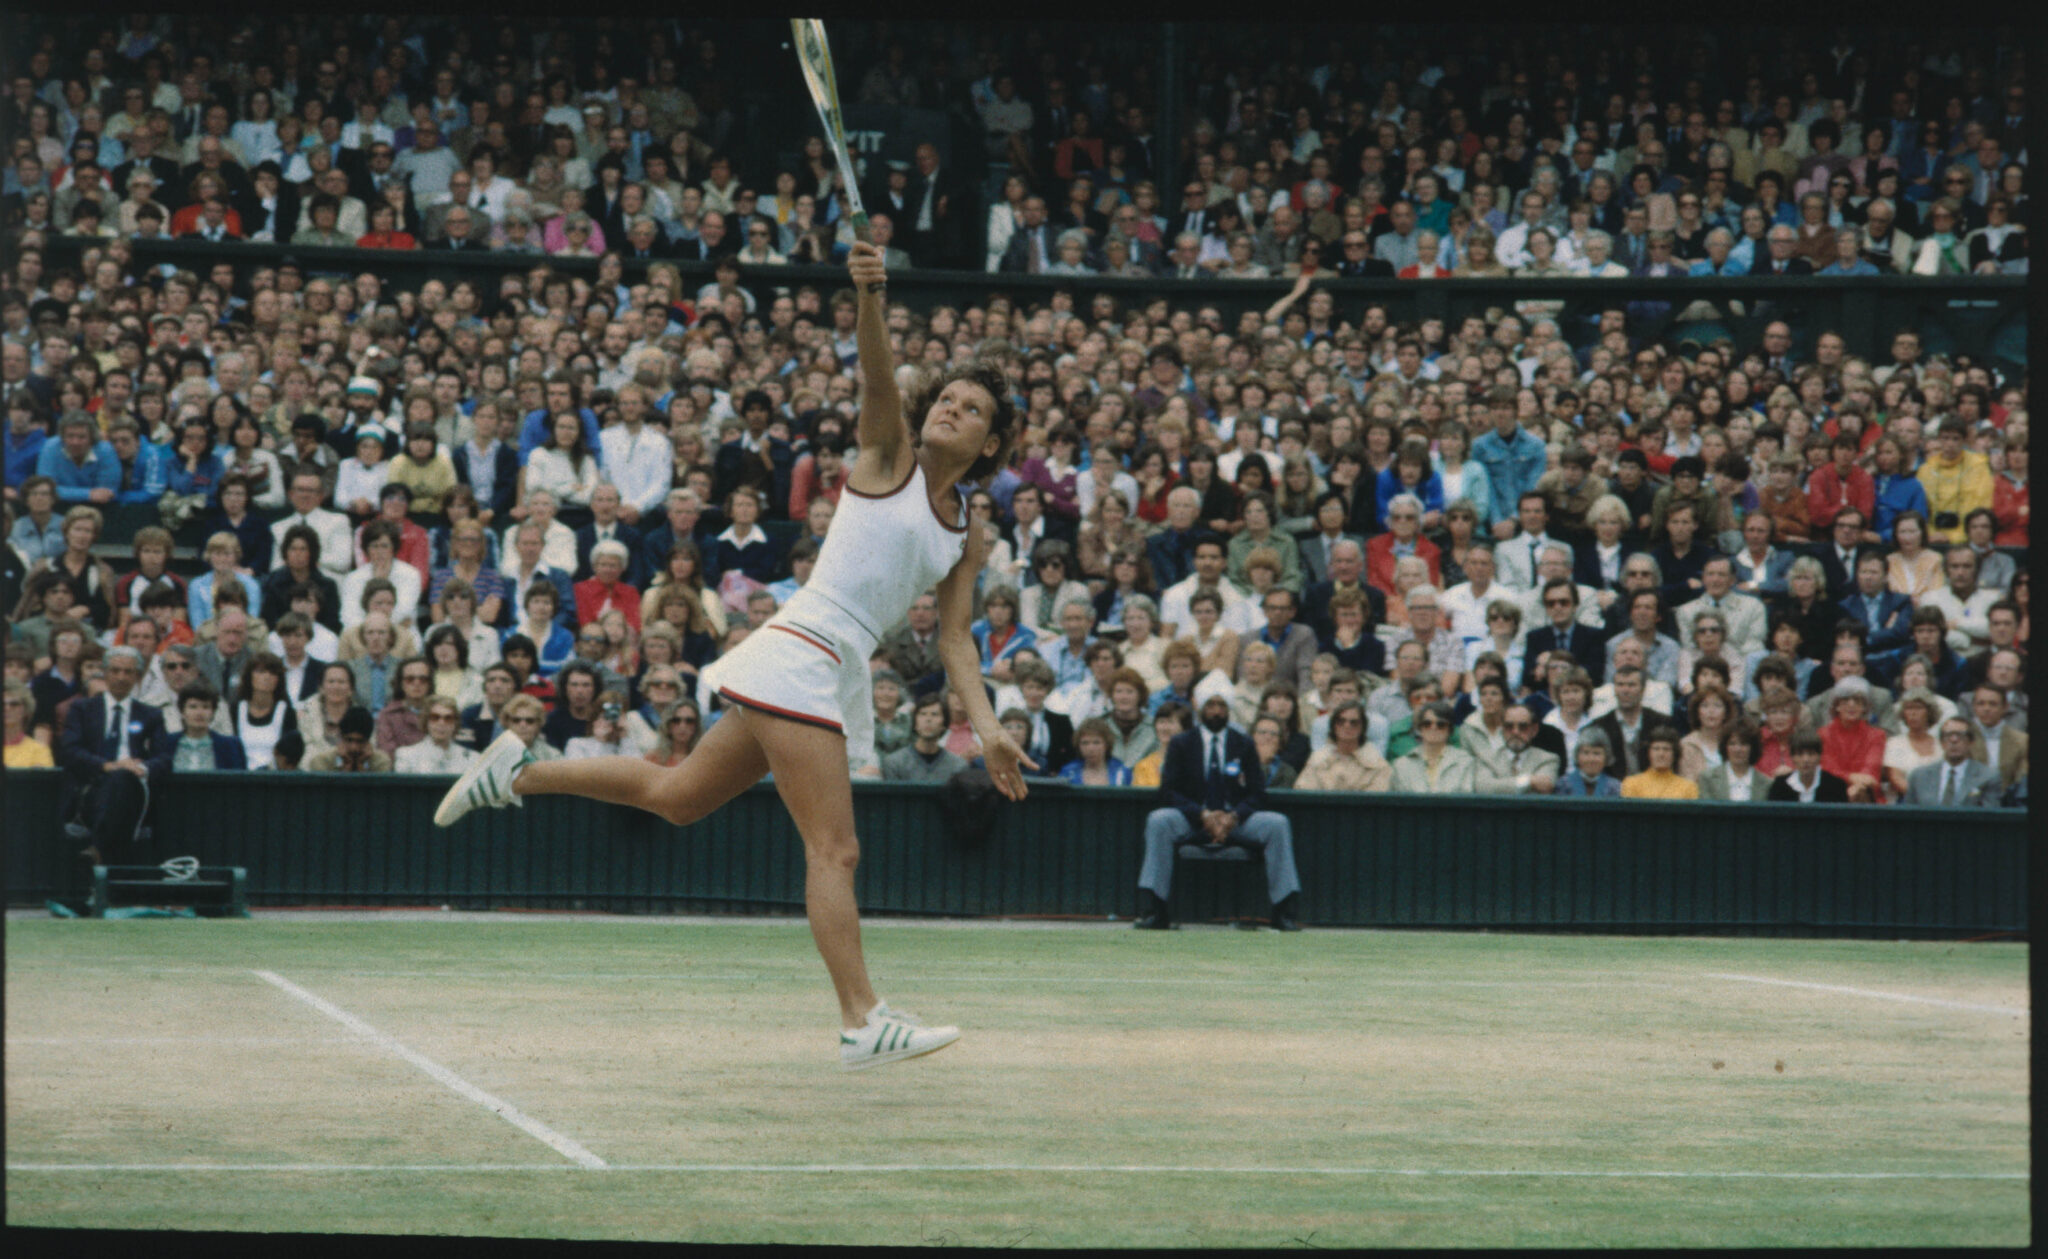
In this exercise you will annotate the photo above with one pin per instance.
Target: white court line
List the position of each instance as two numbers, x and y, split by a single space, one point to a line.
1050 1168
504 1110
2021 1011
1048 978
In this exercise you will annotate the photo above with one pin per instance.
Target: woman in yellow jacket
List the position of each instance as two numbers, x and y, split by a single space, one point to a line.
1660 781
1957 482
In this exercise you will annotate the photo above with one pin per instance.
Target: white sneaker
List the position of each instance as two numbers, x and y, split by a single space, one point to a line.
487 784
890 1036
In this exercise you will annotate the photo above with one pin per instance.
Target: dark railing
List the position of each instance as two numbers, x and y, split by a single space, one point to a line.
1380 861
1981 315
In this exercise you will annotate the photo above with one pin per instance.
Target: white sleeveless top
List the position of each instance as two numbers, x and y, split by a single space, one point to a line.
882 552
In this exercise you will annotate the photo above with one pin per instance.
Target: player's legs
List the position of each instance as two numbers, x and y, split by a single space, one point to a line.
809 764
727 762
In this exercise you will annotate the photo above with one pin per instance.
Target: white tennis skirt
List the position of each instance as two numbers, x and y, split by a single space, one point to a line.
808 663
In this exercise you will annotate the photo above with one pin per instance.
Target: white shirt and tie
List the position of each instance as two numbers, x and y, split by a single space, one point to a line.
117 726
1952 781
1212 767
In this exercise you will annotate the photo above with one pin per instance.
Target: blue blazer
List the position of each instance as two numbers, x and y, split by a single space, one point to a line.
1886 627
1573 783
1583 641
1430 490
227 753
1119 774
1022 637
83 746
1183 782
506 475
637 572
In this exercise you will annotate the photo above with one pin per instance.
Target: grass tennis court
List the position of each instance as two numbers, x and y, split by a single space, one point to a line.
1198 1088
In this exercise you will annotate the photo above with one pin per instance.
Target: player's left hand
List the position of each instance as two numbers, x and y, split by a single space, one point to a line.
1002 756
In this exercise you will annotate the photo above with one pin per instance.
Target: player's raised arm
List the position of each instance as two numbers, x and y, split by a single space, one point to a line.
884 438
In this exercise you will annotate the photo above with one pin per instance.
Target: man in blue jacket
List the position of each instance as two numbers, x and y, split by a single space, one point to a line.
1212 791
112 748
145 466
83 466
1513 456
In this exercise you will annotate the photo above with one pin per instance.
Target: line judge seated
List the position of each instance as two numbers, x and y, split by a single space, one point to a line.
1213 792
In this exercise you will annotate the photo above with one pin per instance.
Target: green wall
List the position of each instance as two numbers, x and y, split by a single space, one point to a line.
1381 861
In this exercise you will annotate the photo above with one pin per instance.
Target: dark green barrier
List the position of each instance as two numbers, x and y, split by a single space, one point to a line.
1365 861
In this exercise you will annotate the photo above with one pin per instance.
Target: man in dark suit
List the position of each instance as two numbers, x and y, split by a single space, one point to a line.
1628 722
1958 780
480 724
685 517
1808 782
503 460
1885 615
143 155
605 526
930 230
1031 247
1777 258
1212 792
1346 572
461 234
1031 525
1841 554
111 748
270 205
913 646
1564 633
1315 549
1195 213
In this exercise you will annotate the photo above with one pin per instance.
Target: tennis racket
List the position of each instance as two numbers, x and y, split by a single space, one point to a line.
814 54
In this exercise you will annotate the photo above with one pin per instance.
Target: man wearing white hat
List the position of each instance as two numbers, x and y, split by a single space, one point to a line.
364 393
1213 792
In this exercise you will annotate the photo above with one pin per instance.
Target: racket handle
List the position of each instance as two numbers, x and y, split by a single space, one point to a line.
860 227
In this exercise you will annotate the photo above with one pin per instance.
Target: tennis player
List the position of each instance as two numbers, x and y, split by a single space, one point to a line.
797 690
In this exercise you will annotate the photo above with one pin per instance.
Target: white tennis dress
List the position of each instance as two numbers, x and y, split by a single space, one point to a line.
809 662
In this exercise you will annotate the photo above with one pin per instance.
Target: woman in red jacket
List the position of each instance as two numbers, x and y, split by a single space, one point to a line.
604 589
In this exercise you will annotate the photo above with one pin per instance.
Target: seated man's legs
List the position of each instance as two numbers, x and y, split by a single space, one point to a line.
113 809
1165 830
1273 834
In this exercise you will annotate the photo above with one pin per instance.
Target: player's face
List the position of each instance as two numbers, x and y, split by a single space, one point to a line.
959 419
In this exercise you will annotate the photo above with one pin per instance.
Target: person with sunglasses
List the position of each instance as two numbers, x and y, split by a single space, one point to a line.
1434 767
1518 767
681 724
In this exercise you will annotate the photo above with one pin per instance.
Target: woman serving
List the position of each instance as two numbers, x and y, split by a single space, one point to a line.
798 691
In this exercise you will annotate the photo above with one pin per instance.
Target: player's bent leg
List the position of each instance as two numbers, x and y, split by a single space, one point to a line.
727 762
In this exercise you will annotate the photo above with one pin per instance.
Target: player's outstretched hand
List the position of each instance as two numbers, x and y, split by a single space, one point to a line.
1002 756
864 264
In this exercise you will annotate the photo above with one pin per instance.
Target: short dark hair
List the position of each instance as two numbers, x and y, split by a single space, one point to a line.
1003 424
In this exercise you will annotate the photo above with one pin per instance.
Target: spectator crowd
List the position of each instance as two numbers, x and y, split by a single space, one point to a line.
1509 555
